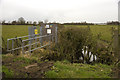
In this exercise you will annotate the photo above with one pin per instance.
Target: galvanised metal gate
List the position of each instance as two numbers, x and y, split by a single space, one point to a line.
34 41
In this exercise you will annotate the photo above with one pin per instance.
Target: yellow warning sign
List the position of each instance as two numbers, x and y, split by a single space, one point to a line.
51 26
36 31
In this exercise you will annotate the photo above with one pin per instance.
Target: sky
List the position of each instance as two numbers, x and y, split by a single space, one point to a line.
95 11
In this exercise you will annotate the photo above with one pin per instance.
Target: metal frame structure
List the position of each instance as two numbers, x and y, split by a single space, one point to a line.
31 42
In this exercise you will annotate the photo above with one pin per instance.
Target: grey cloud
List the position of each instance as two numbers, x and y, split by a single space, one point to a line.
60 11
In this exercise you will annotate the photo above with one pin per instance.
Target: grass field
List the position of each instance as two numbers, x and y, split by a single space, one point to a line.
11 31
104 30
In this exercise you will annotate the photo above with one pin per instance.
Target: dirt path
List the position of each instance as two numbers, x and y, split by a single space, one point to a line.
20 71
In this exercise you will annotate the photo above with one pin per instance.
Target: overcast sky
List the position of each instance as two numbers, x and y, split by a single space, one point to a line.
60 10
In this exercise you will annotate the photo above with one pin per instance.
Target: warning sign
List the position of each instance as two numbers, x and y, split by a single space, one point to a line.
47 26
49 31
51 26
36 31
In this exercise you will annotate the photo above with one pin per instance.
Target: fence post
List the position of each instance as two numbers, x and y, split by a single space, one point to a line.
7 44
35 41
30 45
12 46
49 39
41 43
116 43
30 36
56 34
52 37
22 47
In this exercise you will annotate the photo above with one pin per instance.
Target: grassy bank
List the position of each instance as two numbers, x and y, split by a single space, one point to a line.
13 67
67 70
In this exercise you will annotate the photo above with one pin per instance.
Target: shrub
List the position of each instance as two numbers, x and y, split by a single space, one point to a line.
72 41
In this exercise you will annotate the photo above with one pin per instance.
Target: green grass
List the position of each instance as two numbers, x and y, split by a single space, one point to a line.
68 70
104 30
8 73
12 31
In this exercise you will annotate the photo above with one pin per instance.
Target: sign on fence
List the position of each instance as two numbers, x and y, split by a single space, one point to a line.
47 26
35 40
49 31
36 31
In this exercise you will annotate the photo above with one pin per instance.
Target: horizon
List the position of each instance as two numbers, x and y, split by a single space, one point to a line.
100 11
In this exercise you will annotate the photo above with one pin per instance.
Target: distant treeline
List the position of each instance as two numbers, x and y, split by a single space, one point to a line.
113 23
82 23
21 21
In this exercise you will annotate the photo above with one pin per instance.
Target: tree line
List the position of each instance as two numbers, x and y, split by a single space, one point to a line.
113 23
79 23
21 21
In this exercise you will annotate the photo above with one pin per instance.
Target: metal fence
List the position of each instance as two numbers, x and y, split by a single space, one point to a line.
21 43
34 40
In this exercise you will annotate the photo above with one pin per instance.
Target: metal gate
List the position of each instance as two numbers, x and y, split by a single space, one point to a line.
36 39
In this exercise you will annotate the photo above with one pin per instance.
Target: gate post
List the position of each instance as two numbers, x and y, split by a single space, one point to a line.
116 43
7 44
30 30
22 47
41 43
56 33
12 46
